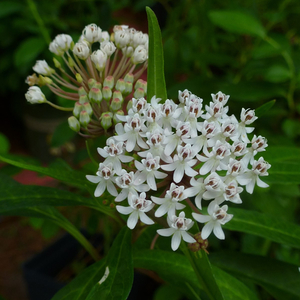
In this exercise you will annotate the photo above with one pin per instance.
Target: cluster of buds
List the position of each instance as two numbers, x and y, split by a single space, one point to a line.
97 81
166 156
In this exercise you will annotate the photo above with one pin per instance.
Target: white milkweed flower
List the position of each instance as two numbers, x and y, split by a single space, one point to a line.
82 50
197 188
139 55
171 202
104 179
139 38
108 47
60 44
137 209
217 216
178 229
105 37
214 186
220 97
99 58
122 38
35 95
42 67
92 33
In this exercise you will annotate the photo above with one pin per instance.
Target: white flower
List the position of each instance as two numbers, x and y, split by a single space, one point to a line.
138 38
105 37
82 50
248 116
178 228
108 47
122 38
104 179
99 58
214 187
169 113
148 169
197 188
34 95
170 202
217 216
92 33
139 55
43 68
137 209
220 97
60 44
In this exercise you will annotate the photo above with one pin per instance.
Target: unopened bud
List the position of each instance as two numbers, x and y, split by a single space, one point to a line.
79 78
97 85
115 118
200 243
84 118
32 80
95 95
116 104
139 93
109 81
74 124
81 91
77 109
129 77
120 85
129 105
56 63
91 82
44 80
71 62
87 107
141 84
34 95
128 88
106 93
83 99
106 120
118 94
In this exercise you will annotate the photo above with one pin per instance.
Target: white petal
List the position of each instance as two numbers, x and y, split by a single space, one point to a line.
186 237
250 186
145 219
176 239
133 219
151 181
201 218
160 175
261 184
166 231
100 189
169 167
93 178
162 210
125 158
111 188
131 142
218 231
207 166
123 195
190 172
207 229
124 210
178 173
102 152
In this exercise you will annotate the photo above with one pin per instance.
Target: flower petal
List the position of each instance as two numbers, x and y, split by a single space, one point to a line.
166 231
145 219
133 219
207 229
100 189
176 239
186 237
124 210
93 178
218 231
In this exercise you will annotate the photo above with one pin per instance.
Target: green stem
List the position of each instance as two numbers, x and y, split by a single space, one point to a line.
60 107
89 153
39 21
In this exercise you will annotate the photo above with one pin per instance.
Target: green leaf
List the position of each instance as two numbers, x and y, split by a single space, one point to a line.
260 111
62 134
284 173
117 280
74 178
264 225
79 288
167 292
4 144
175 269
276 154
156 85
280 279
28 51
237 22
277 73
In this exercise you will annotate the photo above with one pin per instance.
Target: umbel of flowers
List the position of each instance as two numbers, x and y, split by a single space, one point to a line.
166 156
97 74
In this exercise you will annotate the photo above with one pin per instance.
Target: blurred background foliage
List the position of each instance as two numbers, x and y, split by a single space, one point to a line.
248 49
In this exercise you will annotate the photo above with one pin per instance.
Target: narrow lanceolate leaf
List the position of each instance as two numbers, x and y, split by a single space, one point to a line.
264 225
117 279
176 270
260 111
80 287
69 176
284 173
156 85
280 279
281 153
237 22
15 196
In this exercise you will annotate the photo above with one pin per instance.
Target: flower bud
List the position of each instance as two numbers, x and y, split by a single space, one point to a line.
139 93
42 68
106 93
106 120
120 28
108 47
127 51
200 243
91 82
118 94
129 77
44 80
87 107
92 33
104 37
116 104
81 91
95 95
84 118
140 55
83 99
99 58
77 109
74 124
122 38
128 88
81 50
79 78
141 84
109 81
120 85
60 44
32 80
139 38
97 85
129 105
34 95
115 118
56 63
71 62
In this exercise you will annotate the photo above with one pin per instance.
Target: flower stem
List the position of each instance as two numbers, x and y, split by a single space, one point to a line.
60 107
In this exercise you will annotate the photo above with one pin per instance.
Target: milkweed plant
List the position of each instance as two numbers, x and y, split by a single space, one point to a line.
174 162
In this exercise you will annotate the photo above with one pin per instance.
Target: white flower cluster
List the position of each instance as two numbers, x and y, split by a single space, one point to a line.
186 154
